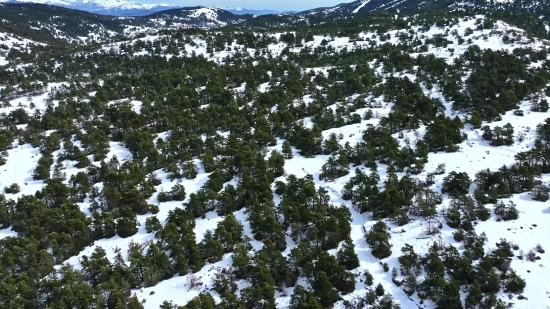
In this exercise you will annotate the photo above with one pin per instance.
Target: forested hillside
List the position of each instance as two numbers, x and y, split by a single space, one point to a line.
59 26
383 160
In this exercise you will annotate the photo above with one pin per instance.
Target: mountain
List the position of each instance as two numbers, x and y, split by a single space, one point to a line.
196 17
365 6
362 6
48 23
243 11
125 8
106 7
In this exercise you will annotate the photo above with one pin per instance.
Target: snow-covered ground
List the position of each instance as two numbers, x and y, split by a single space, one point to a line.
465 27
474 155
9 41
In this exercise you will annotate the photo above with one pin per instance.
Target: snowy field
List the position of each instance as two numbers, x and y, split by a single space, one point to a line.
530 229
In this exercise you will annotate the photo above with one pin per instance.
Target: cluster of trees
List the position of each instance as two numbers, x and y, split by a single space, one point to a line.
537 158
499 136
445 272
399 199
198 116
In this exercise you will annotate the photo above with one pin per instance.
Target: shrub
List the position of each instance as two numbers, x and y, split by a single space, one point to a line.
368 278
514 283
540 193
12 189
506 212
531 256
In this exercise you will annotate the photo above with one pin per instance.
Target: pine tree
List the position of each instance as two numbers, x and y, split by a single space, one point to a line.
323 290
287 150
127 226
346 255
450 297
474 296
303 299
241 261
203 301
369 280
378 241
379 290
410 284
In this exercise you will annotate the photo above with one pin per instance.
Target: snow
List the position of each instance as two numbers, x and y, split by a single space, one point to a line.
21 163
10 41
208 12
363 3
471 158
105 4
474 155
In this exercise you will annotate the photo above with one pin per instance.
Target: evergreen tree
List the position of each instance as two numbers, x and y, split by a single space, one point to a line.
346 255
379 290
378 240
303 299
323 290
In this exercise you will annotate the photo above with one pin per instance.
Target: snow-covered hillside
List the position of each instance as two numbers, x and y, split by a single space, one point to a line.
365 6
474 155
10 42
55 24
196 17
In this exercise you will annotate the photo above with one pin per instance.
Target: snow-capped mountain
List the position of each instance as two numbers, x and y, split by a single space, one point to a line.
130 8
111 7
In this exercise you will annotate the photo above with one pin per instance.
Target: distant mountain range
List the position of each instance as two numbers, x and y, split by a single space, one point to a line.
106 7
132 8
129 8
101 20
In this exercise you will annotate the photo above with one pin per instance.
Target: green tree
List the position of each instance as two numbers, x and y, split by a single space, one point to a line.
323 290
127 226
378 240
303 299
287 150
346 255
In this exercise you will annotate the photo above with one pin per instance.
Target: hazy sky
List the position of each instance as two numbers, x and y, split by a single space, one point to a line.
279 5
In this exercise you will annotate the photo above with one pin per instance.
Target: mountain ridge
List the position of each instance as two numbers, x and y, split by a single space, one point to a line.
126 8
76 26
105 7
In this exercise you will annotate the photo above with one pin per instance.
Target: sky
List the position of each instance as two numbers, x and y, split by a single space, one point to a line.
278 5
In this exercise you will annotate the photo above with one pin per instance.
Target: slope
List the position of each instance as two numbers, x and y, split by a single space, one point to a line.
55 24
229 169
